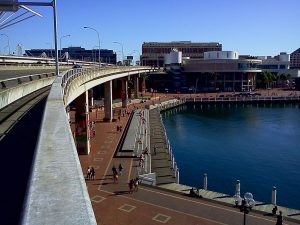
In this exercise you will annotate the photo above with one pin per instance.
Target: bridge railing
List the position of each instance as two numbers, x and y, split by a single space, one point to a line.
12 82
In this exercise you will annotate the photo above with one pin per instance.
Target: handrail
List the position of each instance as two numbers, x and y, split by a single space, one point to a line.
243 99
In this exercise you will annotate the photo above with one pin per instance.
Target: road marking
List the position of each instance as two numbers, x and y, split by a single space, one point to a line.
173 210
130 168
161 218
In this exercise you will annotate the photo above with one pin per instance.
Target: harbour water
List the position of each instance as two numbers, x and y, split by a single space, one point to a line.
259 144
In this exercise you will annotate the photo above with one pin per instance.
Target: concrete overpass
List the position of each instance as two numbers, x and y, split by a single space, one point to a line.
57 191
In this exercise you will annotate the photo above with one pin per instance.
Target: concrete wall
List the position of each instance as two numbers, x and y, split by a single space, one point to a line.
7 96
57 191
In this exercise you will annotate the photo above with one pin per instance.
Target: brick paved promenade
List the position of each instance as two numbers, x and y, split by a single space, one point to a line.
113 204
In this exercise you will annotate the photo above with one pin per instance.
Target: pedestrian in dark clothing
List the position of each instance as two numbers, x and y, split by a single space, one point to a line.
92 173
120 169
154 149
114 169
279 219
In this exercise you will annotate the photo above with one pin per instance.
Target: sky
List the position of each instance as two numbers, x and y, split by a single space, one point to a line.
256 27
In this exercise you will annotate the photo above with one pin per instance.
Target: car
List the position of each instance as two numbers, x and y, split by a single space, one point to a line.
77 66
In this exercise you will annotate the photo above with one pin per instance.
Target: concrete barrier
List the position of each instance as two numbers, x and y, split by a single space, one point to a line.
7 96
57 191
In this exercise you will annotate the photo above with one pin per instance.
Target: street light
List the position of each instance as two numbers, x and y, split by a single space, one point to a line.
94 57
7 42
137 51
98 42
68 35
245 204
122 49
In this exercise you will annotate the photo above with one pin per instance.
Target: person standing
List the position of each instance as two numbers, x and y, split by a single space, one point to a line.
88 173
279 219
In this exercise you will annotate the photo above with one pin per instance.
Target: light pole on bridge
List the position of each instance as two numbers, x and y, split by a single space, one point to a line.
98 43
122 50
68 35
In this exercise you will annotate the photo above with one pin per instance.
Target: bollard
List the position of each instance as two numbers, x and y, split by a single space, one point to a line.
238 188
173 161
177 176
274 195
205 181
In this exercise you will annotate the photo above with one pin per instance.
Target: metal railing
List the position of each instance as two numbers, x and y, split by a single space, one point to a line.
244 99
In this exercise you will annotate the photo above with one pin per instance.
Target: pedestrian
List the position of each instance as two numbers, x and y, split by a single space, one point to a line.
115 177
88 173
118 128
154 149
120 169
130 185
114 169
136 184
279 219
92 176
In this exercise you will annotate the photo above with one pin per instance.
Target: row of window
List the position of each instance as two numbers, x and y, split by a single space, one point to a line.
183 50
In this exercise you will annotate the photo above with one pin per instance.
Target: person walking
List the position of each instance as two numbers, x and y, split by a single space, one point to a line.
120 169
92 176
130 185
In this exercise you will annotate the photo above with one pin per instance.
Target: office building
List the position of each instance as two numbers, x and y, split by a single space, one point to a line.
77 53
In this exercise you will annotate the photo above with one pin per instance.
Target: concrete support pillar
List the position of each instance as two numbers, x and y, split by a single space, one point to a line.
108 113
274 195
238 188
136 86
87 120
205 181
82 124
124 93
91 97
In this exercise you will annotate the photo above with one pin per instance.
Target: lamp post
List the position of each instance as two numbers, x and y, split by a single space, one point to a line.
94 56
98 42
137 51
245 204
68 35
7 42
122 49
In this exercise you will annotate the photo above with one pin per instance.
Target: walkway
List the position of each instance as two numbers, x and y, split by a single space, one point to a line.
113 204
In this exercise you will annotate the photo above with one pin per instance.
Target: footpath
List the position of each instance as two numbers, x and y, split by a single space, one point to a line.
168 204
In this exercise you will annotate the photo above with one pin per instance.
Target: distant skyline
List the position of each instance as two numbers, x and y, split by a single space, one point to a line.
256 27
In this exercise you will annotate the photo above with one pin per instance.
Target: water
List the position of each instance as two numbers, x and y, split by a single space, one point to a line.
257 144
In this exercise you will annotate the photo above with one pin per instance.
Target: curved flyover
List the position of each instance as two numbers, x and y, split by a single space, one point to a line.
57 191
